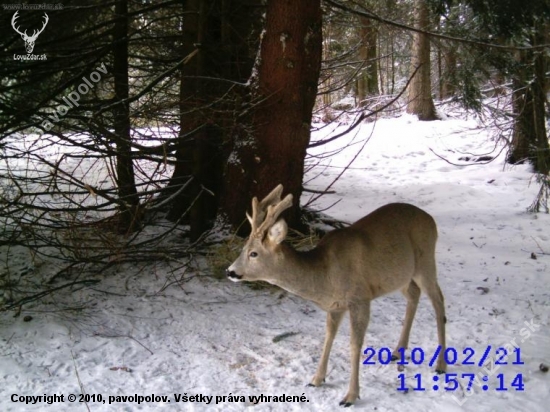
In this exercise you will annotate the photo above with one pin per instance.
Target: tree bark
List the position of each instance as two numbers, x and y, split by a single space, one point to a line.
448 72
367 82
190 168
529 139
328 80
217 34
127 192
420 100
284 89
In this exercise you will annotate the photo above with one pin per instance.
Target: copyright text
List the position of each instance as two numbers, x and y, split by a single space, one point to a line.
139 399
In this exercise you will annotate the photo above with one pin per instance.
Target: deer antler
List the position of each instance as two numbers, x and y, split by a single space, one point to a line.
259 208
266 212
273 212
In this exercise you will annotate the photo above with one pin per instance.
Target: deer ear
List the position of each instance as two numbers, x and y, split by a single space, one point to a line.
277 232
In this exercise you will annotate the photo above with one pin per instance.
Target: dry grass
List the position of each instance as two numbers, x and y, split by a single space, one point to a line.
222 254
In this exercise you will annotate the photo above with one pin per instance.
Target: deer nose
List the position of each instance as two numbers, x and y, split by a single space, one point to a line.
232 275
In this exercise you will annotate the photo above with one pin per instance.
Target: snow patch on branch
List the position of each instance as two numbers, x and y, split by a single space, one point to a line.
283 38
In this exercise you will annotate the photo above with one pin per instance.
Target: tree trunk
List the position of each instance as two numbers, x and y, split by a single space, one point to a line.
447 61
272 151
420 100
193 136
529 139
538 86
367 82
327 82
127 192
523 110
217 36
448 72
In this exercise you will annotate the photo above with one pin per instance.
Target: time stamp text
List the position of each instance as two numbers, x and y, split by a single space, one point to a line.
449 382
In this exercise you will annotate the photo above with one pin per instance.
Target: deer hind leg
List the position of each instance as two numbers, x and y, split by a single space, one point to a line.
412 293
438 302
333 321
428 284
359 315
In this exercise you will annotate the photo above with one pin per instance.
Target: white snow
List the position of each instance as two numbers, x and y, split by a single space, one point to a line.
140 333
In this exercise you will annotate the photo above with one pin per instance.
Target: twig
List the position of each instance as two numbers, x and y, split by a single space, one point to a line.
322 192
326 208
467 164
542 252
141 344
82 390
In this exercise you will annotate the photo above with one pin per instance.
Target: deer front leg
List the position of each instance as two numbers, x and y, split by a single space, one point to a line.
333 321
359 315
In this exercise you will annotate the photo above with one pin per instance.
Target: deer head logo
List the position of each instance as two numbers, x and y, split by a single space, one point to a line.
29 40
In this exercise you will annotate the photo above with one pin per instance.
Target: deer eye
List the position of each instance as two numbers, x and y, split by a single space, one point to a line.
253 254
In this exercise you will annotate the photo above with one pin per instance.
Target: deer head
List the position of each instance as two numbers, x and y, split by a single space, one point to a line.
261 253
29 40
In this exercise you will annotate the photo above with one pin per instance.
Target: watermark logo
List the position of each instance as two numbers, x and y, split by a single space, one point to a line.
29 40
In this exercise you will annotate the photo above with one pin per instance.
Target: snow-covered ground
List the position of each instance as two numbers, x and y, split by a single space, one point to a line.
221 342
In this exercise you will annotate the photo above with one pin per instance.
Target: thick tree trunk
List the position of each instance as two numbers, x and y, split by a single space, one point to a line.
194 135
284 90
420 100
127 192
216 35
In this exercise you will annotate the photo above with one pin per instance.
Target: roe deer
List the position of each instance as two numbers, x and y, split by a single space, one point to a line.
393 248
